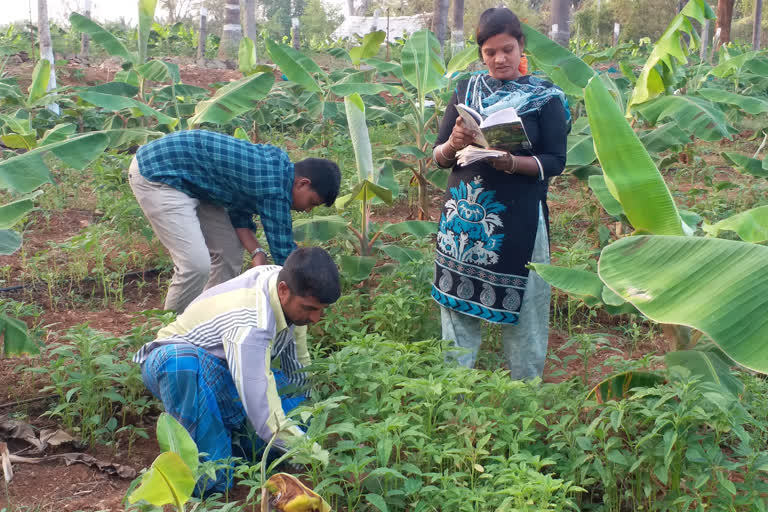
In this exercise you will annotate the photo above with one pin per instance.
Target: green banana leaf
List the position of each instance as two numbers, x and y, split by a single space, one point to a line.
696 116
630 174
719 287
386 68
565 69
24 173
358 131
16 338
749 104
121 139
13 212
751 225
319 228
732 64
607 201
422 65
403 254
663 137
370 47
366 190
418 228
233 99
40 78
246 55
462 60
102 37
618 387
582 284
345 88
707 365
746 165
173 437
581 151
297 67
10 241
146 17
357 268
169 480
114 103
58 133
673 46
116 88
159 71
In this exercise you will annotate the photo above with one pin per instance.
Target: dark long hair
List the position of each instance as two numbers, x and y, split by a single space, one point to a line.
495 21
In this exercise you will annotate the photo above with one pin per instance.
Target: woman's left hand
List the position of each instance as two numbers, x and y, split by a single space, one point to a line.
504 163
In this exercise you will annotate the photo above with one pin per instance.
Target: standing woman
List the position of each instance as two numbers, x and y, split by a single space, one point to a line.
495 219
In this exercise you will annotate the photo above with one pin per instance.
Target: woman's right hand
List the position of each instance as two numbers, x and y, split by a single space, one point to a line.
461 136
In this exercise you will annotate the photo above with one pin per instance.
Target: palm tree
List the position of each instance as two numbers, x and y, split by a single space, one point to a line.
232 32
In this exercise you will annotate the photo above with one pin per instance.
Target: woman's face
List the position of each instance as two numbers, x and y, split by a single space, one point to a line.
502 53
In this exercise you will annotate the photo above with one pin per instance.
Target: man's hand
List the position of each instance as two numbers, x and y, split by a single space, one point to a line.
258 259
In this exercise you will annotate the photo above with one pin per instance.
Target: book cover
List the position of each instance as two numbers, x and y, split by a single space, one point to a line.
502 130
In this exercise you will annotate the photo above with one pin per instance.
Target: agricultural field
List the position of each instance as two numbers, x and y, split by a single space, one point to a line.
654 394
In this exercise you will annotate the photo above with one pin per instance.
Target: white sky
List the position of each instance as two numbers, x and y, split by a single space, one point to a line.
101 10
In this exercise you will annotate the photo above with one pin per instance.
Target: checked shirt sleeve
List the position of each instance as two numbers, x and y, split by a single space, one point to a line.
241 219
278 226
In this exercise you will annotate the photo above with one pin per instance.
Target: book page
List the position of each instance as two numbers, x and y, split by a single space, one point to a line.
471 120
508 115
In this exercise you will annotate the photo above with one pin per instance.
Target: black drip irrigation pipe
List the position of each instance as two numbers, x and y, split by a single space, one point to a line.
134 273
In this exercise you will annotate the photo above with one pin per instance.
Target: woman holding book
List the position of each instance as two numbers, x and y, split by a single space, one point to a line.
495 219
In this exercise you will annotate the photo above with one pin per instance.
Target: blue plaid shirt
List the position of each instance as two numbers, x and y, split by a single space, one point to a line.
242 177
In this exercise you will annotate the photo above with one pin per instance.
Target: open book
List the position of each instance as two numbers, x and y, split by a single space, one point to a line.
503 131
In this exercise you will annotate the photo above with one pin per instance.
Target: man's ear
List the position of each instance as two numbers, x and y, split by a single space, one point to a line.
302 182
283 292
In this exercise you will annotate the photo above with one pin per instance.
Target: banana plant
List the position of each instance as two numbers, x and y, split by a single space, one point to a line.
137 69
368 190
696 287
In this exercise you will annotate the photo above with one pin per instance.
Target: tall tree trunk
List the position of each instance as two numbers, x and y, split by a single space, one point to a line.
440 20
250 20
297 9
46 49
561 31
232 31
84 39
457 31
203 35
704 50
350 7
758 16
362 7
723 25
171 4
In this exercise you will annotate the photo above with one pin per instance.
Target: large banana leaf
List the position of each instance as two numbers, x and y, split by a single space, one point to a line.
146 17
114 103
173 437
565 69
732 64
708 366
358 131
674 45
419 228
357 268
345 88
581 151
370 47
102 37
366 190
630 174
747 165
246 56
26 172
232 100
10 241
168 480
13 212
748 104
697 116
719 287
159 71
422 65
319 228
297 67
461 60
16 338
663 137
40 78
607 201
582 284
751 225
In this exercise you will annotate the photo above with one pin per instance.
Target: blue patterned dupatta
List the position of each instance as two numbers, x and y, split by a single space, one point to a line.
489 221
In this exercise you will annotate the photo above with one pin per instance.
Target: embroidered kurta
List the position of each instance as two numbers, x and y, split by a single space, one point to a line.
489 221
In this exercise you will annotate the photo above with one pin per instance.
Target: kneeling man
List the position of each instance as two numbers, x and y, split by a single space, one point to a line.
211 367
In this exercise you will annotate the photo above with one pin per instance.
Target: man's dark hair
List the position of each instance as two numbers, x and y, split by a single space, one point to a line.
311 272
495 21
324 175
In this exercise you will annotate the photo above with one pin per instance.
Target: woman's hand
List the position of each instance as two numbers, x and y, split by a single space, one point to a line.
461 136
